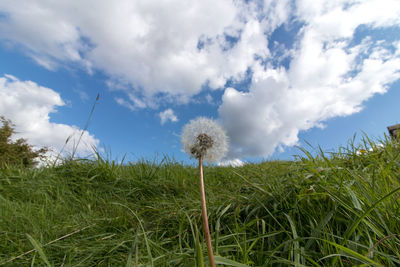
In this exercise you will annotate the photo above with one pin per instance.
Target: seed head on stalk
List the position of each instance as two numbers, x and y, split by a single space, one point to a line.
205 139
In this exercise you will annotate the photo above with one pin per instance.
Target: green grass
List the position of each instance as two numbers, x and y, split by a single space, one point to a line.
337 209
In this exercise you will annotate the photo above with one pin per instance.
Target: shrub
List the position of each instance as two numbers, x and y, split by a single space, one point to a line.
18 152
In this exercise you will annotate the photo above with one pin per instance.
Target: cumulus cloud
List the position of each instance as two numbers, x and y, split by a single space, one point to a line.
169 51
167 115
327 77
29 105
152 48
151 45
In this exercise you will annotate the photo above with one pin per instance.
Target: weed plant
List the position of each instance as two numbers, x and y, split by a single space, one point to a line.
336 209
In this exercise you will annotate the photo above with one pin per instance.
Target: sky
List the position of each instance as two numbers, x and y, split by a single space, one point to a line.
277 75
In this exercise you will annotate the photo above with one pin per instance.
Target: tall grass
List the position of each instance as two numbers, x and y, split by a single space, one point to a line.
337 209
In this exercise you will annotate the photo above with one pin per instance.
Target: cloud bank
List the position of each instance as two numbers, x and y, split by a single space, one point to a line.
327 77
309 60
29 105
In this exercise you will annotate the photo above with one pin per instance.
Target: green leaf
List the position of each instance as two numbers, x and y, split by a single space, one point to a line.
146 241
318 229
225 261
354 199
354 254
296 245
199 251
38 248
353 227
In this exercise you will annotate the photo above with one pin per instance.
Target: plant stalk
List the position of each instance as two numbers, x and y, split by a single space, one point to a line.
204 213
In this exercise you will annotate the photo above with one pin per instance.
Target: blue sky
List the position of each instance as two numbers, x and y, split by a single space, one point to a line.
274 73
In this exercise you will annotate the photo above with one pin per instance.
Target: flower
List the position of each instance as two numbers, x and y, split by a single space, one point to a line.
204 138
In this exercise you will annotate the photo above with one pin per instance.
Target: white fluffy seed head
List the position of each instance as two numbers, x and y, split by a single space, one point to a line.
204 137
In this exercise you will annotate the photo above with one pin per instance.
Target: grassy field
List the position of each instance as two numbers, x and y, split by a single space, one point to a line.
340 209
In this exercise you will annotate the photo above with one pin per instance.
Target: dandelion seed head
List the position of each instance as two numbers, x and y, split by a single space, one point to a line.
205 138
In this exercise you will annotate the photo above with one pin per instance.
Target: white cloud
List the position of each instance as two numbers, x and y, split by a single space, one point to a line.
167 115
152 45
29 105
325 79
166 51
231 162
155 48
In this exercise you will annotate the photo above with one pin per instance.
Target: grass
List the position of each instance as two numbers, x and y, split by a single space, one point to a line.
336 209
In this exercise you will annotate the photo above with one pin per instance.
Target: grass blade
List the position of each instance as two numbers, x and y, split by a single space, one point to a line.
225 261
354 254
199 250
296 245
39 249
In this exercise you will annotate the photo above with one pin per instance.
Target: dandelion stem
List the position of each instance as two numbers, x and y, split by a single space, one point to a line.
204 213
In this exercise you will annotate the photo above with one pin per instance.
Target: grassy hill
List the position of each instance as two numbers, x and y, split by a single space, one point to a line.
340 209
